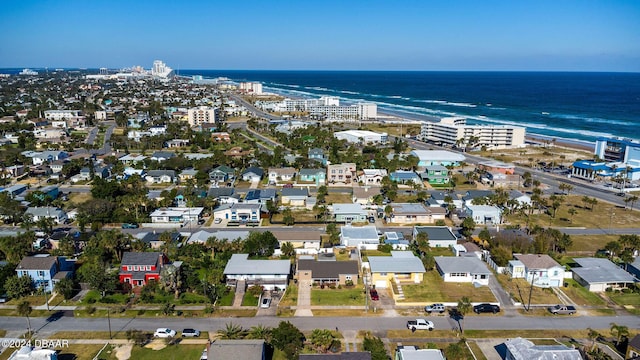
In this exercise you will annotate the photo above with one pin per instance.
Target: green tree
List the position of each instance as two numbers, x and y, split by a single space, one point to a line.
456 351
322 340
619 331
334 233
288 338
468 225
287 249
464 307
17 287
287 217
232 331
65 287
485 235
96 274
260 332
24 309
376 347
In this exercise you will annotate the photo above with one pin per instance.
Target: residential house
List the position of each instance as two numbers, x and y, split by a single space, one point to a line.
45 270
541 269
344 173
436 175
318 155
50 191
401 266
260 196
321 272
410 213
187 174
633 348
484 214
220 137
176 143
131 159
364 195
497 167
634 267
201 237
162 156
299 239
467 269
158 130
222 173
349 213
405 177
252 174
598 274
278 175
160 176
141 268
56 166
363 237
294 196
439 236
269 274
248 214
176 215
500 180
437 157
224 195
372 176
476 197
396 240
317 176
58 215
445 199
520 198
523 349
45 157
237 152
156 239
245 349
410 352
15 171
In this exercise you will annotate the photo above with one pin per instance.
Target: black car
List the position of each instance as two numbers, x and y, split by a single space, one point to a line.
486 308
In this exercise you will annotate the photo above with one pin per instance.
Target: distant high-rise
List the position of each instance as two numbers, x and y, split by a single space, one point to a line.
160 69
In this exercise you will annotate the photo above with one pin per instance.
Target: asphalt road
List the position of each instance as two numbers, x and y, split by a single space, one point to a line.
375 324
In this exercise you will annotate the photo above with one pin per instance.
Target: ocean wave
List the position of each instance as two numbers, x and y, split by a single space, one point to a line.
447 103
317 88
349 92
531 125
592 119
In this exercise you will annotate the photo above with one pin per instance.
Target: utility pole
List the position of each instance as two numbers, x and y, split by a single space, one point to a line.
533 277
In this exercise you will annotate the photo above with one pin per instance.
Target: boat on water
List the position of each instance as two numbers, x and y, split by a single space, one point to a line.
27 72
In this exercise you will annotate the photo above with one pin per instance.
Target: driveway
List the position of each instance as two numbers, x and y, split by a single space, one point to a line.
304 299
491 348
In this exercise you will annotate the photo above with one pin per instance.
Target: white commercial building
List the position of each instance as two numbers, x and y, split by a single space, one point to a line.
201 115
251 87
454 130
53 115
160 69
361 136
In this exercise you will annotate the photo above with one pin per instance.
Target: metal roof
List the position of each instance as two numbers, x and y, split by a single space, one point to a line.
465 264
598 270
436 233
399 262
522 349
240 264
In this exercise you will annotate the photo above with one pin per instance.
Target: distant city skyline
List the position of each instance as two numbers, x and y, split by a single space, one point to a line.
463 35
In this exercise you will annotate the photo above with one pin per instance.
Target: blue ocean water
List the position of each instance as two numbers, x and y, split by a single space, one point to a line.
581 106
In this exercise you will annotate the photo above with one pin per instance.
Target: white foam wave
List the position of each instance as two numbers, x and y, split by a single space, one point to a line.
593 119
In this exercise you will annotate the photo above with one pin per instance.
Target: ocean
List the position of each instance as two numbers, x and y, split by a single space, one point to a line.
563 105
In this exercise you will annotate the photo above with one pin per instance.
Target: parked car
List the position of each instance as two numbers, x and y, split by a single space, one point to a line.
190 333
217 220
439 308
129 226
266 302
201 221
164 333
374 295
562 309
420 324
486 308
287 186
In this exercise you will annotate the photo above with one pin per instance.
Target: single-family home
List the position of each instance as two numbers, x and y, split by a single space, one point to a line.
396 240
633 348
55 166
155 239
252 174
224 195
277 175
541 269
237 152
497 167
45 270
201 237
598 274
415 213
58 215
437 157
476 197
241 213
45 157
179 215
500 180
364 236
523 349
634 267
405 177
160 176
220 137
435 175
299 239
484 214
269 274
344 173
349 213
401 266
294 196
372 176
318 155
321 272
187 174
364 195
130 159
522 199
141 268
410 352
317 176
245 349
162 156
260 196
445 199
468 269
158 130
222 173
439 236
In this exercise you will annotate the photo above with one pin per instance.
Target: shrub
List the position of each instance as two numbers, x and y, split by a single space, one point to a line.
90 309
349 283
332 286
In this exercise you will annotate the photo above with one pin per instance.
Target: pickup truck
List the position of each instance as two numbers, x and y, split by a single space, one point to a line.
419 324
562 310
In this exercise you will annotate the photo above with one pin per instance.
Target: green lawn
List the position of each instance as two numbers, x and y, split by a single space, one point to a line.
630 301
339 198
249 300
227 298
334 297
520 288
290 297
434 289
580 295
173 352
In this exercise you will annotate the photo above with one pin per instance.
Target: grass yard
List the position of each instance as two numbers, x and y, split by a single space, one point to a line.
442 345
580 295
631 302
249 300
346 312
79 352
34 300
303 215
88 335
441 251
434 289
339 198
591 243
290 297
533 155
79 198
336 297
519 290
227 298
173 352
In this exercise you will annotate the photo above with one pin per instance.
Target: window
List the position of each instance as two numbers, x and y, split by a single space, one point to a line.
347 277
40 273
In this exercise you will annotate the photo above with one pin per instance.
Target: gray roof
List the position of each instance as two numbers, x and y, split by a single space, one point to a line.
254 170
163 154
37 262
220 191
202 235
465 264
598 270
523 349
309 172
537 261
289 192
360 232
236 349
348 209
328 269
409 208
140 258
474 194
398 262
154 173
436 233
44 211
239 264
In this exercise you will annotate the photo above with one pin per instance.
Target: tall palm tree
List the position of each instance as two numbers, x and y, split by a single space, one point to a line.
619 331
25 309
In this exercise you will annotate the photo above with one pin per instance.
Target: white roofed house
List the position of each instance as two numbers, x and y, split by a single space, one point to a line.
349 213
372 176
597 274
437 157
409 213
269 274
176 215
401 266
363 237
484 214
281 174
56 214
467 269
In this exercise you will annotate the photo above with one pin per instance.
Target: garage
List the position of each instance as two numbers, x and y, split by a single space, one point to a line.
381 284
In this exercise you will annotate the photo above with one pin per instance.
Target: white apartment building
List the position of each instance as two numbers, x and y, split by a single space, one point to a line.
326 106
161 69
201 115
361 136
53 115
452 129
251 87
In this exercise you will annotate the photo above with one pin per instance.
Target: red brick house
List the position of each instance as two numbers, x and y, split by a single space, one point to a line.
139 268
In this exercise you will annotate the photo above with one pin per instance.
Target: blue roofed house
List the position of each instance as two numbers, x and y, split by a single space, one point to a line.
260 196
45 270
318 155
405 177
317 176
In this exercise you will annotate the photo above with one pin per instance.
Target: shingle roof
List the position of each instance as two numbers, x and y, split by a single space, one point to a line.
237 349
537 261
436 233
37 263
140 258
328 269
295 192
466 264
255 170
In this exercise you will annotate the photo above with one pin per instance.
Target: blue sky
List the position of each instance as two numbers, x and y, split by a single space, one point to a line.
574 35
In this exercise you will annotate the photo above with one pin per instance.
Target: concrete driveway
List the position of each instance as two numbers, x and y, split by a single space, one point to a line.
492 348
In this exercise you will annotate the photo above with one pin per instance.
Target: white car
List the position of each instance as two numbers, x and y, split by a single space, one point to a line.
164 333
266 302
217 221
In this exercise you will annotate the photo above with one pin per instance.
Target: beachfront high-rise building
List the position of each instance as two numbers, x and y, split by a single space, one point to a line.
201 115
455 130
254 88
326 107
160 69
618 150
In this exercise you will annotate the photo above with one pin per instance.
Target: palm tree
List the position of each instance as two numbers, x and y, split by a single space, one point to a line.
25 309
572 212
633 199
260 332
619 331
231 331
464 307
592 335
